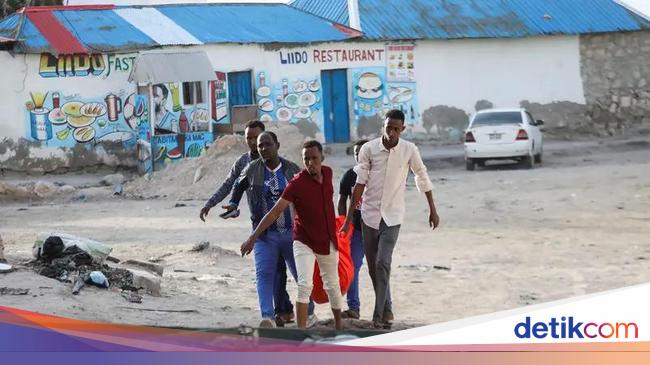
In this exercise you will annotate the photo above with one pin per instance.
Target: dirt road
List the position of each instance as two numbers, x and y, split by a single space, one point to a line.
509 237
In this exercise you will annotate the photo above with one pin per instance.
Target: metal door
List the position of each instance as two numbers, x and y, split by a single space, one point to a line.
335 106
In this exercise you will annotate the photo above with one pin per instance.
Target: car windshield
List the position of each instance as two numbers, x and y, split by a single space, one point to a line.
494 118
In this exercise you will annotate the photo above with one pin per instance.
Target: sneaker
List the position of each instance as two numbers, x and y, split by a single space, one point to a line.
381 325
312 321
350 313
287 317
388 316
267 323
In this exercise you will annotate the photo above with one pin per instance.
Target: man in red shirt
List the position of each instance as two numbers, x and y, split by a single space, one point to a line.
314 231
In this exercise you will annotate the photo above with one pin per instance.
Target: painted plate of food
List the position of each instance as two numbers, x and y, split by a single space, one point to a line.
266 118
264 91
292 101
303 113
400 94
265 105
80 121
120 136
307 99
299 86
57 116
314 85
72 108
84 134
93 110
284 114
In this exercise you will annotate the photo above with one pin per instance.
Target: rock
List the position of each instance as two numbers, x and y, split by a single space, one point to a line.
5 268
67 189
149 266
146 280
112 180
44 189
198 175
626 102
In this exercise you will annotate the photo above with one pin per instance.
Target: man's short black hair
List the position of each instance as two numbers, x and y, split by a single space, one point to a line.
313 143
395 114
255 124
360 142
273 136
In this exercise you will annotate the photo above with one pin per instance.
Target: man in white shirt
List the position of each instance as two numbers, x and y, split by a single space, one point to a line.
381 178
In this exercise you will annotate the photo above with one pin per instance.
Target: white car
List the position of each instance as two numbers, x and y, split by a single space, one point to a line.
500 134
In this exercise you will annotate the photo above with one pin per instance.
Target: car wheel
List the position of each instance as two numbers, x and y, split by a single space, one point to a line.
529 161
470 165
480 163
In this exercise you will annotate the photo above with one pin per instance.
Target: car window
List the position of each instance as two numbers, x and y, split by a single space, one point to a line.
494 118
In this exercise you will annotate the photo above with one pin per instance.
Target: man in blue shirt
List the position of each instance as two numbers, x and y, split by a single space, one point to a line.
283 306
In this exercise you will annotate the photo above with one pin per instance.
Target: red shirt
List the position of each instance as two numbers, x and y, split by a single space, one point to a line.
315 222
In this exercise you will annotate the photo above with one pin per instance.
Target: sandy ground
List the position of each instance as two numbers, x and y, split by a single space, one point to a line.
509 237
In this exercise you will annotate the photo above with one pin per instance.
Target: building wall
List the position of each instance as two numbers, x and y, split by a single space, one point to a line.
570 82
616 75
36 134
458 77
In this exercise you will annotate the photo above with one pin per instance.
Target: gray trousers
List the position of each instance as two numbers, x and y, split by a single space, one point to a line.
379 245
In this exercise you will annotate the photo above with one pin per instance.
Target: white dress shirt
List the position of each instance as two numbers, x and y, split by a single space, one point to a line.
384 173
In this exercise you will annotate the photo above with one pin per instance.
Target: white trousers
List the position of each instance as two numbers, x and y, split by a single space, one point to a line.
329 273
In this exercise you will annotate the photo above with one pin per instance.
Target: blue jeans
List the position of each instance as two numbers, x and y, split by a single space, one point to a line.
280 296
269 249
357 252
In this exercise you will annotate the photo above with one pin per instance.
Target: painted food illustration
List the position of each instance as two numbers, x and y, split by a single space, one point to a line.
174 153
314 85
63 134
57 116
265 105
291 101
266 118
80 121
369 86
117 137
264 91
93 110
299 86
194 150
283 114
72 108
130 111
307 99
160 154
84 134
400 94
303 113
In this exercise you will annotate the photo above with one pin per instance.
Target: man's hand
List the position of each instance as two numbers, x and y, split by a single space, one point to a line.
204 213
346 226
247 246
434 220
229 208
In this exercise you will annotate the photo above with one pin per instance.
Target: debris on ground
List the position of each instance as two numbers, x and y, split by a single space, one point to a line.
33 190
5 268
2 251
146 280
98 278
131 296
112 180
150 266
200 246
13 291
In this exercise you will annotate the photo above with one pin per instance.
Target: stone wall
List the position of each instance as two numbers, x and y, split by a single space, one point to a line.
615 69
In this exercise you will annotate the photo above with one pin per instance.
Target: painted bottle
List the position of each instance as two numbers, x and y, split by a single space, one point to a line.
285 88
262 79
183 122
56 100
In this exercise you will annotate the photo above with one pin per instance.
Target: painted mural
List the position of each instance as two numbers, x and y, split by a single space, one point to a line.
172 116
219 97
295 101
60 120
170 148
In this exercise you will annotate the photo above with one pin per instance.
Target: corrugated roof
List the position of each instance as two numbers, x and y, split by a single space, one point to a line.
127 28
449 19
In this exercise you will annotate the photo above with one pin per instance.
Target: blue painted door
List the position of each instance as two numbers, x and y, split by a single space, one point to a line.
335 106
240 88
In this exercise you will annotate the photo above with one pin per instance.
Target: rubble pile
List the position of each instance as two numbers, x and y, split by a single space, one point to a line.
198 178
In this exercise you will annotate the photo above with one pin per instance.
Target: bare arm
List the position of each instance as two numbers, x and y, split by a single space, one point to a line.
342 208
266 222
356 197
